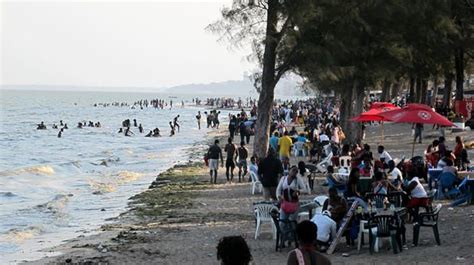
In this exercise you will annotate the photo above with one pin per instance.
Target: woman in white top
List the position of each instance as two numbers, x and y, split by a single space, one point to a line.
287 192
418 195
292 181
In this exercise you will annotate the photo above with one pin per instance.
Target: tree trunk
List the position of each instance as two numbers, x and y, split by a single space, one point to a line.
265 99
434 91
411 94
448 81
386 85
352 102
346 110
459 65
358 99
424 90
395 89
418 90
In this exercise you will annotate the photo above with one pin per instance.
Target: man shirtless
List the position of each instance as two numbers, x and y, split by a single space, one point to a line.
231 150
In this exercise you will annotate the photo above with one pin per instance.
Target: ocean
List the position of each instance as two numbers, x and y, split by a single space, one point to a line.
53 189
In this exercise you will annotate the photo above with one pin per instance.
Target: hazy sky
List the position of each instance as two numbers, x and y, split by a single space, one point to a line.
108 43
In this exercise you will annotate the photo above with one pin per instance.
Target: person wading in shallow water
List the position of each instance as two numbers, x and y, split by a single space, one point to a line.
214 153
198 118
175 122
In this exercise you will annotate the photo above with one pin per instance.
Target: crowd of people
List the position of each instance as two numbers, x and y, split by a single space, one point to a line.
309 130
228 103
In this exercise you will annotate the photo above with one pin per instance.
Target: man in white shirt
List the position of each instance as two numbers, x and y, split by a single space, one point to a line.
395 175
384 156
327 227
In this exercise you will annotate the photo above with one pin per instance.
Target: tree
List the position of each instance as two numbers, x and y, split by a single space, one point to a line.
268 26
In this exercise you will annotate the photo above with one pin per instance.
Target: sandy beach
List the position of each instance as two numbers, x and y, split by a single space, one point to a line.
180 219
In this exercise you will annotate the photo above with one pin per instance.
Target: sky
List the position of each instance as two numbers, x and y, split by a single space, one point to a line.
115 44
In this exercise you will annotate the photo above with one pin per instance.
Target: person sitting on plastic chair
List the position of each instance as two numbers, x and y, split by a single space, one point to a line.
336 205
418 195
333 181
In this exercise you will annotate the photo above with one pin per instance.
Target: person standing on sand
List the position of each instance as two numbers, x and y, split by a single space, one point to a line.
243 154
232 126
231 151
214 153
418 132
270 170
285 144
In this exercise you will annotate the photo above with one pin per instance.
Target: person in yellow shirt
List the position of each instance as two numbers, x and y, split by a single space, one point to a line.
285 144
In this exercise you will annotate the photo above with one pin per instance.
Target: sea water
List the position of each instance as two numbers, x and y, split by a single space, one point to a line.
53 189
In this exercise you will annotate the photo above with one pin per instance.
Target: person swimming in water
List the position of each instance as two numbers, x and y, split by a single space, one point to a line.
120 130
128 132
79 125
156 132
135 122
41 126
60 133
140 128
172 132
61 123
65 126
149 134
55 126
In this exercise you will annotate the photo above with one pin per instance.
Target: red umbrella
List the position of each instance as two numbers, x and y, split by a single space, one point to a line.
368 117
375 114
381 105
416 113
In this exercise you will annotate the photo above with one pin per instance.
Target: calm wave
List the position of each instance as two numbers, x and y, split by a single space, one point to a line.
55 188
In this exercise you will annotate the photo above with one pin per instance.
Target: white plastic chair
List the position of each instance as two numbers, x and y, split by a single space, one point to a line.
319 200
365 230
262 214
345 163
322 166
256 184
299 149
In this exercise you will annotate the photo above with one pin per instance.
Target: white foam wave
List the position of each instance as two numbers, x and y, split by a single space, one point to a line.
57 205
46 170
19 235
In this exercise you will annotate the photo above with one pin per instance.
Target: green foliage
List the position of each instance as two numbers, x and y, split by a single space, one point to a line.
331 41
